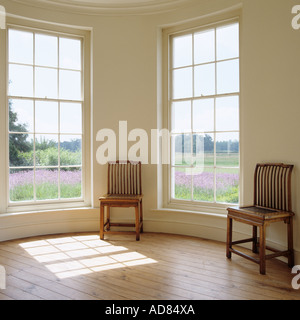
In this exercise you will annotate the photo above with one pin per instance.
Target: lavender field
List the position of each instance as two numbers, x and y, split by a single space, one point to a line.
203 186
46 182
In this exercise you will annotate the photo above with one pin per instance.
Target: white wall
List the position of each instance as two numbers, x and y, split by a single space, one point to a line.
270 96
125 80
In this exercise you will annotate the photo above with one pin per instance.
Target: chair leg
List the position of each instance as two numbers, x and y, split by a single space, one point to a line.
108 217
141 216
101 221
290 242
262 249
229 238
254 243
137 221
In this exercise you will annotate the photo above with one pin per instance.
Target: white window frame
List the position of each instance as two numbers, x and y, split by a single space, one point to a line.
167 33
58 30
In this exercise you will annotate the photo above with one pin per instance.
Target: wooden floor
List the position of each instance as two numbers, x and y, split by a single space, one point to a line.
159 267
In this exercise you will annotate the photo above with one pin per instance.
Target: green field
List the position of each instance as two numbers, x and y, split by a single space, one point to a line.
222 159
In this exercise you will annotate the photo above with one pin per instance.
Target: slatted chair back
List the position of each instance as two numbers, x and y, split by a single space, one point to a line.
272 186
124 178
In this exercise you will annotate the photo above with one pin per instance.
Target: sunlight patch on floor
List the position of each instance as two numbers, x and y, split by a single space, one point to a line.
78 255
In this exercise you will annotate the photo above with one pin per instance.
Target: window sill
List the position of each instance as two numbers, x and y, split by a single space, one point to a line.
23 211
25 208
218 209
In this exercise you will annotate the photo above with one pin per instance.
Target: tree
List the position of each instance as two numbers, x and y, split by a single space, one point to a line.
18 143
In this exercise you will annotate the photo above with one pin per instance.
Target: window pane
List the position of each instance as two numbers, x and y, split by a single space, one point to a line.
204 46
203 150
70 118
69 54
46 50
181 117
227 146
20 81
228 42
70 183
181 150
227 181
20 46
70 85
20 115
198 151
20 150
45 83
227 113
209 150
203 115
182 83
70 150
203 184
46 182
182 51
181 183
205 80
46 117
21 185
228 76
46 150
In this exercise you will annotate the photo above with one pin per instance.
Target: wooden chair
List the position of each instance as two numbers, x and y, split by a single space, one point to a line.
272 203
124 190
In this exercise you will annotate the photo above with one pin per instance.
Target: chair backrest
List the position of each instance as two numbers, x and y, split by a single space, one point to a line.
124 177
272 186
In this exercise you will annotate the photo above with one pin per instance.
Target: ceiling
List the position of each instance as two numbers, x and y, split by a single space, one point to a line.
107 6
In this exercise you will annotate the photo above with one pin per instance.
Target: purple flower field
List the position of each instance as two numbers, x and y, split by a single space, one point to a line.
205 180
46 181
22 178
203 185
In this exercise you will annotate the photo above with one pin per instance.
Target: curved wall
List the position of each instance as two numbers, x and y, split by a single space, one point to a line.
126 70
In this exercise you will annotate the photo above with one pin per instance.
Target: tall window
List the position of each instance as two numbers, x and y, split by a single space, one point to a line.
204 114
45 101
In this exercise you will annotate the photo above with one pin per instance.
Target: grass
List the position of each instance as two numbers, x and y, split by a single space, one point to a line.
45 191
201 194
222 159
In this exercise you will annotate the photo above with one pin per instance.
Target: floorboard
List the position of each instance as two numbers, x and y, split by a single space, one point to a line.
80 266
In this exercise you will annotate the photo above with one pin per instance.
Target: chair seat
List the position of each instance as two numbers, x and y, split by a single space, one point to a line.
259 213
121 197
